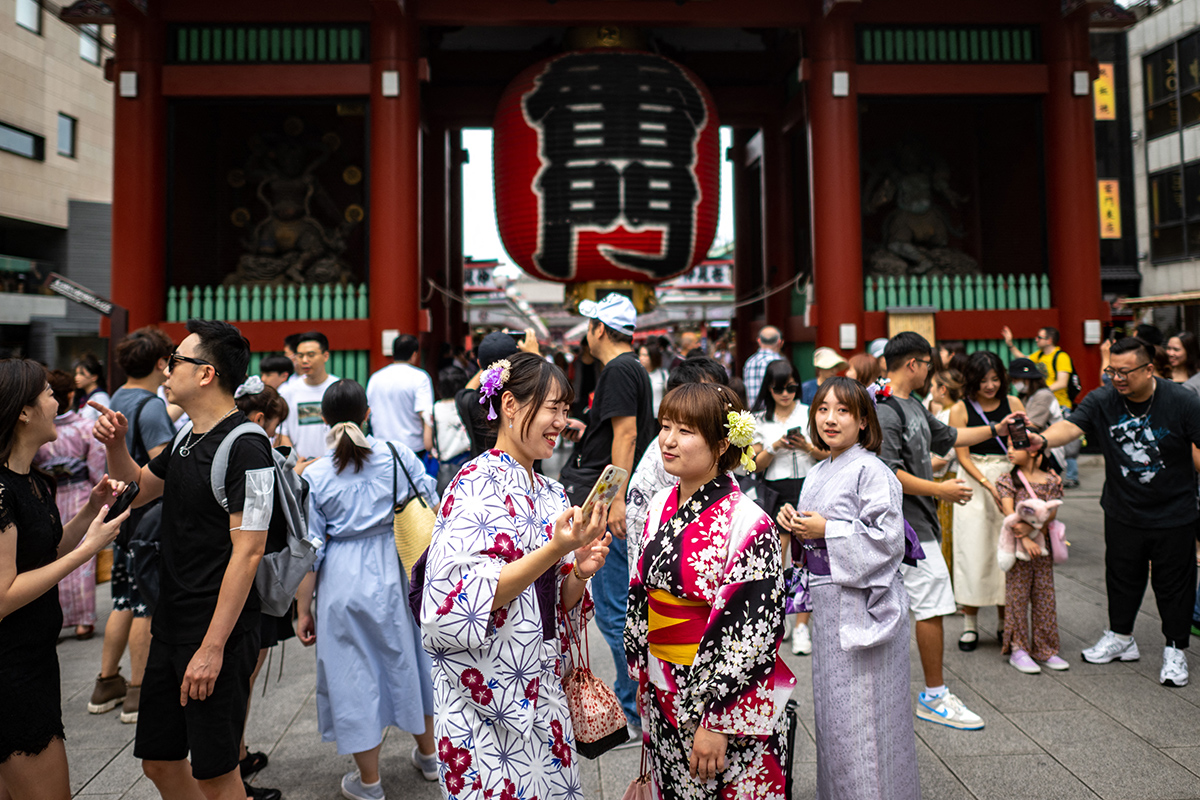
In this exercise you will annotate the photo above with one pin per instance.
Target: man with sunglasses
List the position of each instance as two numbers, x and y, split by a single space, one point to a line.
205 629
1148 429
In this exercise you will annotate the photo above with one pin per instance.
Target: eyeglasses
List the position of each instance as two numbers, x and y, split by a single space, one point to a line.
925 361
791 388
1123 374
199 362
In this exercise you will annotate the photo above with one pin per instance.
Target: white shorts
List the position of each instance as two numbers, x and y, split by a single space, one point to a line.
928 585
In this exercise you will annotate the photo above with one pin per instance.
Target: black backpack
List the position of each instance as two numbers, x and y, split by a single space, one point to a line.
1074 386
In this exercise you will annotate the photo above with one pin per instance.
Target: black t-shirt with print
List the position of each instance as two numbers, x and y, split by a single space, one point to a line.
623 390
196 543
1149 478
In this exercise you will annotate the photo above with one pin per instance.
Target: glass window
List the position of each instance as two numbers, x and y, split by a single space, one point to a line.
1166 244
1160 75
1163 118
1189 62
1166 198
1191 185
22 143
89 43
29 15
66 135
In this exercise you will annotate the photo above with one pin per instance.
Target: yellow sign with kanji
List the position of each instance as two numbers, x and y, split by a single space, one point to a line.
1110 209
1104 92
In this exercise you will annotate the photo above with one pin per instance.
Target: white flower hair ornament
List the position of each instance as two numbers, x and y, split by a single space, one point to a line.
740 427
253 385
494 378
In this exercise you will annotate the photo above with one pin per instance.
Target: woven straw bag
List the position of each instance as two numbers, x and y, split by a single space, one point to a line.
413 523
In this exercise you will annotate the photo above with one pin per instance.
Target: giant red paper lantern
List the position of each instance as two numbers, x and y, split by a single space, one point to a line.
606 167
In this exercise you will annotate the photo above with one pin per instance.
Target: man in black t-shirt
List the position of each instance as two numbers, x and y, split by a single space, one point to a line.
1148 429
620 424
205 632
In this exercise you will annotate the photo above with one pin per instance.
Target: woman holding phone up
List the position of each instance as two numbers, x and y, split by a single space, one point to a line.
508 564
783 456
37 550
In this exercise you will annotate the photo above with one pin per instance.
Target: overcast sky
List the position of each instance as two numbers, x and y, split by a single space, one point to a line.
481 239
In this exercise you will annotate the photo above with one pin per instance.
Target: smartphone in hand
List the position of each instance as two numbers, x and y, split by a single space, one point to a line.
796 433
605 490
1018 433
123 501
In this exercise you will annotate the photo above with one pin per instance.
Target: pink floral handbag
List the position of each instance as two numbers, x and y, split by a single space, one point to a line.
596 713
639 787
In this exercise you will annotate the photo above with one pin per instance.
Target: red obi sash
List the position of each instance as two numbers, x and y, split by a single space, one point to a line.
676 626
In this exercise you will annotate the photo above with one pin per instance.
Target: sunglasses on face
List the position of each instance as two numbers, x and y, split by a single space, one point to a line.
199 362
790 388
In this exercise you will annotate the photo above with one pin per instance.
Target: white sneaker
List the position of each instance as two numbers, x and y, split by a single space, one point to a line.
427 764
948 710
801 640
1110 648
1174 669
353 789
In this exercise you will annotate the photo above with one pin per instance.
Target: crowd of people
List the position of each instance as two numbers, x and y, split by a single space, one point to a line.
844 515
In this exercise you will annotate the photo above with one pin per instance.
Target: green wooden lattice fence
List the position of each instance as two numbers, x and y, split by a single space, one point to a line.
958 292
903 44
267 303
352 364
268 44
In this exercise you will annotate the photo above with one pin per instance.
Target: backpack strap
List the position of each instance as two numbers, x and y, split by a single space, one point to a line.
1025 481
179 437
137 429
220 464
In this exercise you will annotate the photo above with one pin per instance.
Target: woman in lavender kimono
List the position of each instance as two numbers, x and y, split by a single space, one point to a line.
705 614
852 526
509 563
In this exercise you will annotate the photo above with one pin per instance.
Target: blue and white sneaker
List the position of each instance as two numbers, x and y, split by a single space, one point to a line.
353 788
948 710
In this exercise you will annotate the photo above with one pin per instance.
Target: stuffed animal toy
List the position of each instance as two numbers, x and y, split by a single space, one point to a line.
1035 512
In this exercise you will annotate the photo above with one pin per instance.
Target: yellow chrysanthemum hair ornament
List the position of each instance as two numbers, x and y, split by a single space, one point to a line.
740 427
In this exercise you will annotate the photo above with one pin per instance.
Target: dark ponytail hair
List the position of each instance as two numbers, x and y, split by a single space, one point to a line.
22 381
346 401
532 379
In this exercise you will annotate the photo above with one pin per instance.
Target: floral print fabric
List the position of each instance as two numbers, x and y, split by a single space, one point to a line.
501 721
722 549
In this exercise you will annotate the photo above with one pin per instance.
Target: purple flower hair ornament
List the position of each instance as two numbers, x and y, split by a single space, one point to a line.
880 388
494 378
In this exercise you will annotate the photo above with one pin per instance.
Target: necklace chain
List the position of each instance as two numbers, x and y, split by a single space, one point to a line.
1153 392
189 444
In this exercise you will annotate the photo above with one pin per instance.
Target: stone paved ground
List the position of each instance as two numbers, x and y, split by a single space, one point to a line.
1095 731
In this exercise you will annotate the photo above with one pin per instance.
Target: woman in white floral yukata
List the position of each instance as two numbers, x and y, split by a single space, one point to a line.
705 615
509 561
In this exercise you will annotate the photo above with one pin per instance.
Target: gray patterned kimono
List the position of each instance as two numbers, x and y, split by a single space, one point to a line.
866 747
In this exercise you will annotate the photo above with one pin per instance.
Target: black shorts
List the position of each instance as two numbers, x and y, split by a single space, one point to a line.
211 729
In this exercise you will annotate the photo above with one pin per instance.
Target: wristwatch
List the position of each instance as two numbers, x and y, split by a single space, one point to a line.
992 428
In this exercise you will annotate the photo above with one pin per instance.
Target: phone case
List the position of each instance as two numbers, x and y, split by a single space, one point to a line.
605 490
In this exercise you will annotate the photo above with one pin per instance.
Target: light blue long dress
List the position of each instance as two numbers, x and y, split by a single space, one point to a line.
369 655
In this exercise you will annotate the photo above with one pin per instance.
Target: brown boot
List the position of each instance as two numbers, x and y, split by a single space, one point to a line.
108 694
129 710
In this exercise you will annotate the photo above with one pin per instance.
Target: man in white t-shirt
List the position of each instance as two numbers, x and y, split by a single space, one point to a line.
401 399
304 427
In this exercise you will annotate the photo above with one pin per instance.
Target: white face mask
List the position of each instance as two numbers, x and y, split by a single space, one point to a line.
1019 386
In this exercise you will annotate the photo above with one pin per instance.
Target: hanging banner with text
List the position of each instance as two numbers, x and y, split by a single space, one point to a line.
1110 209
1104 90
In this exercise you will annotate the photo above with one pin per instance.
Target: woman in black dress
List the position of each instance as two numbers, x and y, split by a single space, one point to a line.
36 551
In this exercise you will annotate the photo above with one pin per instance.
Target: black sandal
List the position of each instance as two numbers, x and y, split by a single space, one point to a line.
252 763
966 644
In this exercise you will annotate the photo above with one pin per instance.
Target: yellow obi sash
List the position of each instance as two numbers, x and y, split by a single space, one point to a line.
676 627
